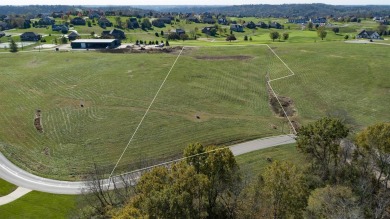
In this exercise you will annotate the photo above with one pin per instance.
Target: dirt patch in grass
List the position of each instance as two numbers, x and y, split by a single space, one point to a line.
37 121
237 57
287 104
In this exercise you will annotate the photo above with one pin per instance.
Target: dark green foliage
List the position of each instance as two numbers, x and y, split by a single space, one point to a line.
12 46
274 35
245 38
231 37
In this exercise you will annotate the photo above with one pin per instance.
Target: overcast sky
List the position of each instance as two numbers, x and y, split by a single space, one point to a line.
184 2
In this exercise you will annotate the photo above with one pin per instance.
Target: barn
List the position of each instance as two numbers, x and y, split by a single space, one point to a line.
95 44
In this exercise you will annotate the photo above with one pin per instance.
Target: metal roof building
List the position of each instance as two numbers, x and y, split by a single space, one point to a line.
95 44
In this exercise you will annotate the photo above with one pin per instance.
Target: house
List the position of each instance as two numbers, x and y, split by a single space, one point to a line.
104 22
236 27
57 14
158 23
250 25
115 33
222 21
211 31
95 44
46 21
73 36
30 36
275 25
2 34
193 19
77 21
61 27
93 15
262 25
180 32
368 35
298 20
208 20
319 20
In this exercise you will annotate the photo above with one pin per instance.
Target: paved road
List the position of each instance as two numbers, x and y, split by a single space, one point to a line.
21 178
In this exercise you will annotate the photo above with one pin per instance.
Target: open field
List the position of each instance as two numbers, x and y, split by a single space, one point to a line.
40 205
115 90
223 86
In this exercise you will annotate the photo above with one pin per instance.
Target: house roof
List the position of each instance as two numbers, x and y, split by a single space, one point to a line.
29 34
94 41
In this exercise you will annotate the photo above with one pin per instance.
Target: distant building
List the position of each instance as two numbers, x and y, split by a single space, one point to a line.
180 31
95 44
298 20
73 36
368 35
104 22
275 25
115 33
77 21
319 20
236 27
30 36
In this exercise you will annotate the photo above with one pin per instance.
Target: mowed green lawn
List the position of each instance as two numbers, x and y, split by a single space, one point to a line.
223 86
40 205
228 94
6 187
347 80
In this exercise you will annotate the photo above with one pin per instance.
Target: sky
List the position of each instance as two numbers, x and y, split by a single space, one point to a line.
184 2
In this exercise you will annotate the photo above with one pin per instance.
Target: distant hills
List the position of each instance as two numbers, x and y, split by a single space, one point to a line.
261 10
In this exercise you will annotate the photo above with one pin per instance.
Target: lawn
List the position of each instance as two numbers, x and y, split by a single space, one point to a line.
6 187
115 91
40 205
255 162
223 86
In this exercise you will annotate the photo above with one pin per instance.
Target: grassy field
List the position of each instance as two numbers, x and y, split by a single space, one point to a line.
40 205
255 162
224 86
6 187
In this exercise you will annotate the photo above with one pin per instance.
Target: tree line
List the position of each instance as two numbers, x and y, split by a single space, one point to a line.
339 178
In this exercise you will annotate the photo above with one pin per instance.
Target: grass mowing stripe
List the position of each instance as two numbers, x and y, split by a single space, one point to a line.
146 112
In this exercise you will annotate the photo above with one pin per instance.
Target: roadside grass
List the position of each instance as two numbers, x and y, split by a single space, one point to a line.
6 187
40 205
254 163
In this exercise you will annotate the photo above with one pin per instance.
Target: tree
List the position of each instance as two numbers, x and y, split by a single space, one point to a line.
156 34
93 34
146 25
162 33
250 38
321 32
285 36
310 25
245 38
375 144
166 43
285 188
320 141
336 30
346 37
64 40
333 202
184 36
382 28
13 47
274 35
118 21
231 37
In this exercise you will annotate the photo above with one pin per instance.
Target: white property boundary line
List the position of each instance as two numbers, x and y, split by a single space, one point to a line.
183 158
146 112
269 84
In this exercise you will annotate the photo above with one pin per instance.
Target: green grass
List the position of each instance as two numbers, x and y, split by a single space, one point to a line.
6 187
224 88
40 205
255 162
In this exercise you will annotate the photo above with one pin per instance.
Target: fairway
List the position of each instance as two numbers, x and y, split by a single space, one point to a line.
92 103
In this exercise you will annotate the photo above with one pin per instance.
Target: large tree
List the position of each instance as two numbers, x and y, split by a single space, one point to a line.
320 141
321 32
285 189
274 35
375 144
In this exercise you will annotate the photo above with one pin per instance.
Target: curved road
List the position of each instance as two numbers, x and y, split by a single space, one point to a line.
21 178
